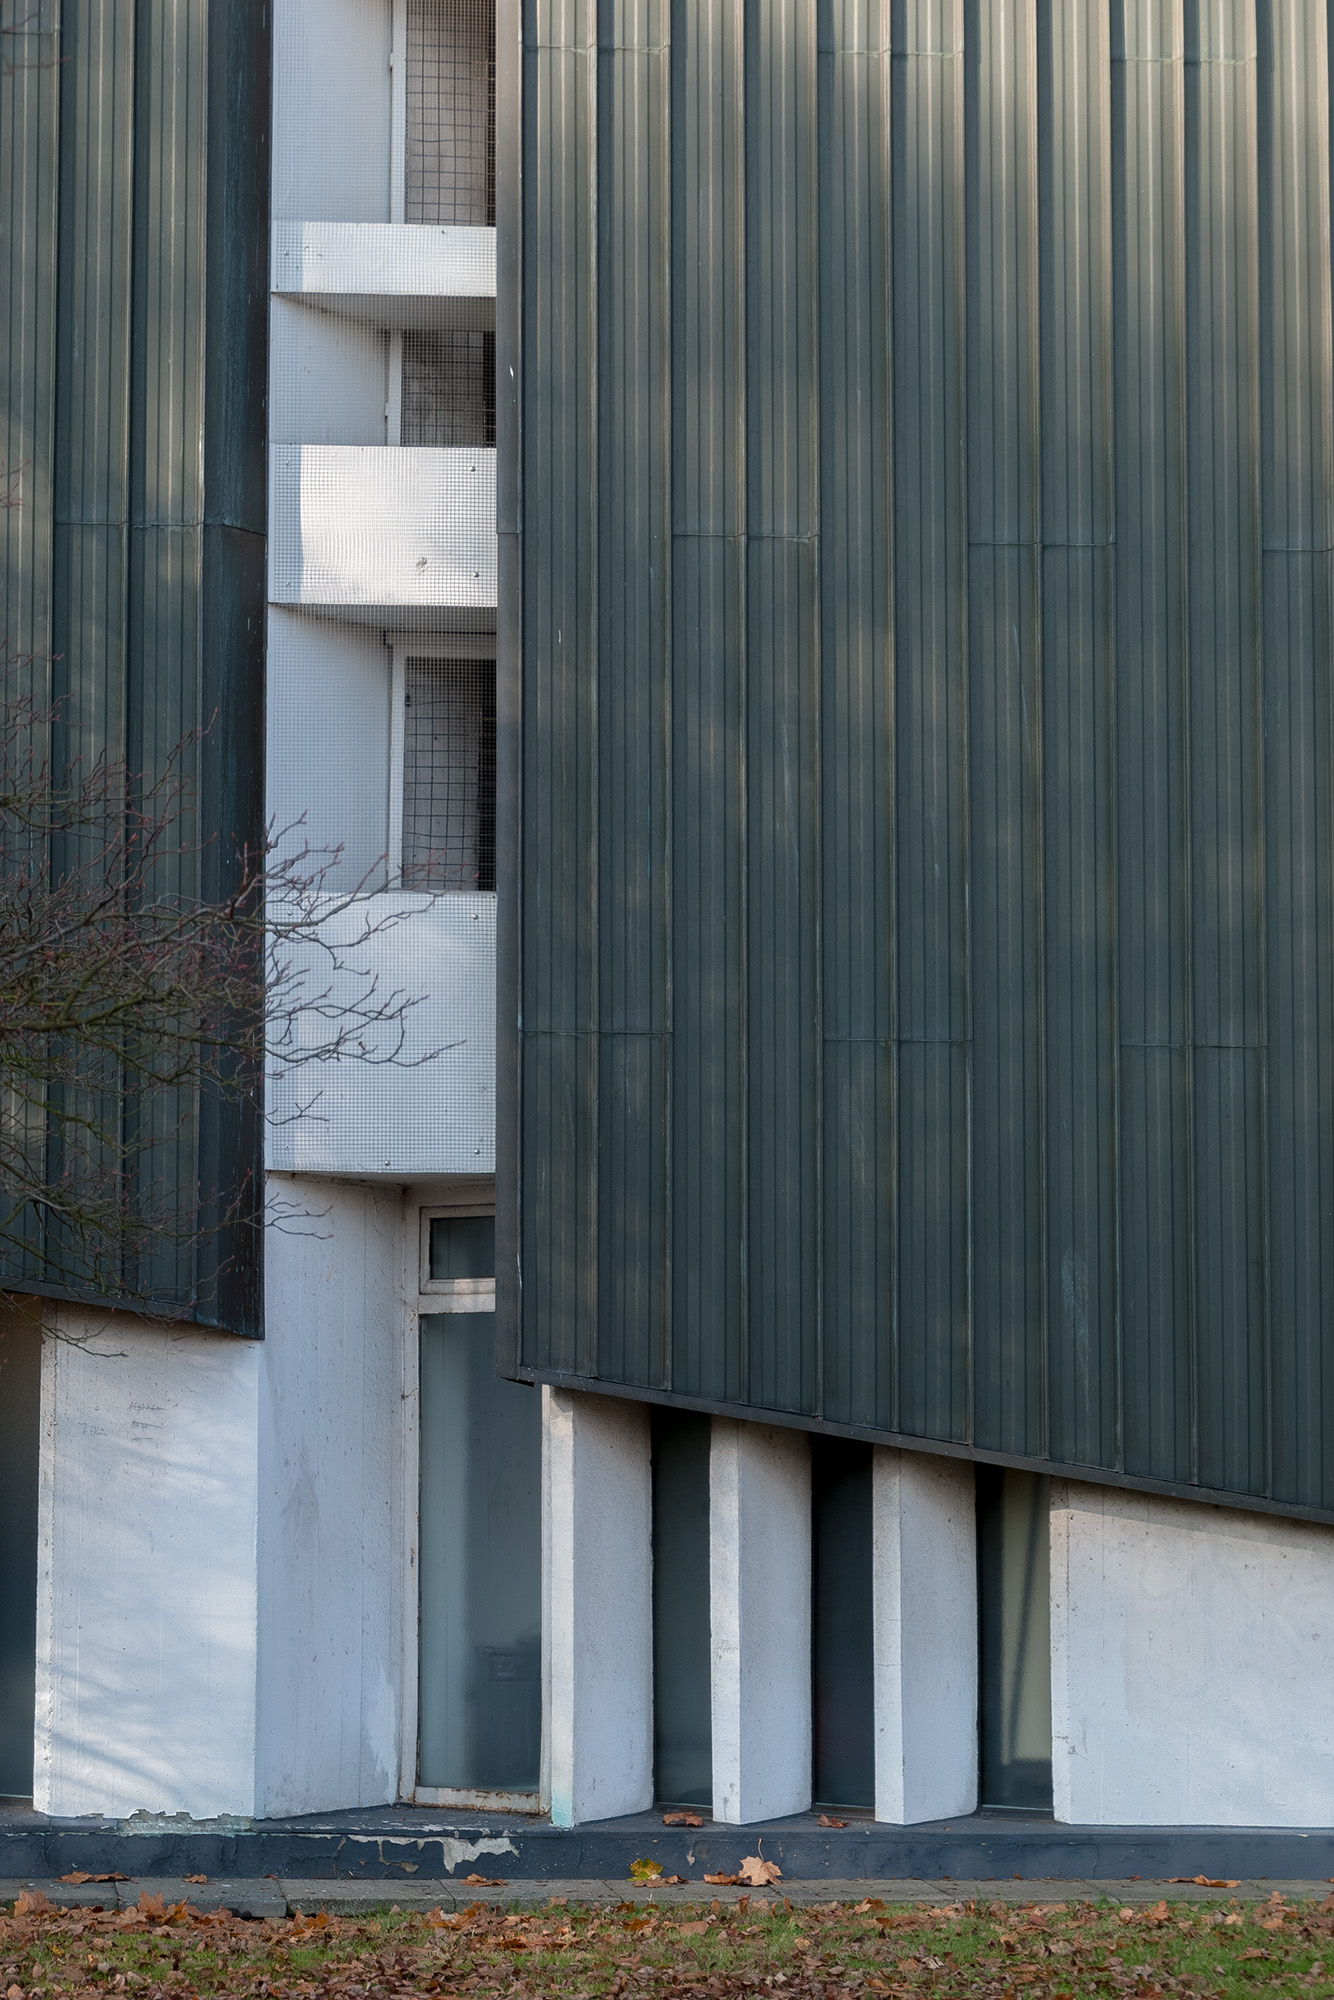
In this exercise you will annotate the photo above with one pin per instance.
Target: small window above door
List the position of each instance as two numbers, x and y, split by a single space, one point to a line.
458 1262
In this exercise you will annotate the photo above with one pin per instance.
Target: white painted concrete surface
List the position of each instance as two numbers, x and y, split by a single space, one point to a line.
328 378
597 1624
409 1117
331 1520
1192 1663
383 526
331 109
147 1580
924 1591
319 260
760 1613
327 757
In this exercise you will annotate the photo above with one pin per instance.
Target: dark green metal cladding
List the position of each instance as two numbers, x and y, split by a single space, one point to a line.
134 199
919 656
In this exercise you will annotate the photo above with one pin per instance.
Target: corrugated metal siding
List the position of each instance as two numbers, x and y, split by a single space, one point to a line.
135 201
925 774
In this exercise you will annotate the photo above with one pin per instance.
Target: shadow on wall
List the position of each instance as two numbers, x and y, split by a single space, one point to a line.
20 1412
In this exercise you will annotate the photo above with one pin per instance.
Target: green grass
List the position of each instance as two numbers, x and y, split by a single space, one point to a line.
643 1952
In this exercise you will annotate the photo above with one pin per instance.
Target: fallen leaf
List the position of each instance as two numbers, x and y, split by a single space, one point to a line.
1203 1881
484 1881
80 1875
151 1906
32 1903
696 1929
645 1870
1254 1952
825 1820
682 1819
194 1878
723 1881
757 1873
679 1880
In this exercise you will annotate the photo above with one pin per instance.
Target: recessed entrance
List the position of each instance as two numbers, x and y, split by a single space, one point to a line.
479 1675
1014 1638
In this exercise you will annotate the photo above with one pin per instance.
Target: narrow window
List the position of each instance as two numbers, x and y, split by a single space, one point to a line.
682 1693
449 775
480 1695
843 1711
20 1392
450 170
449 389
1014 1639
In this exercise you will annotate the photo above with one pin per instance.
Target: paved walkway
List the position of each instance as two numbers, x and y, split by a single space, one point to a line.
276 1898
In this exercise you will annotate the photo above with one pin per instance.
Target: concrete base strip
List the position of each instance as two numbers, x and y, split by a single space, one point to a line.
351 1899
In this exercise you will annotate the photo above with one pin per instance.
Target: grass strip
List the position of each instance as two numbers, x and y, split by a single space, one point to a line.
754 1947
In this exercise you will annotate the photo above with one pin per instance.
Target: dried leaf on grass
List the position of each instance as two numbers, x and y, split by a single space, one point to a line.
757 1873
753 1949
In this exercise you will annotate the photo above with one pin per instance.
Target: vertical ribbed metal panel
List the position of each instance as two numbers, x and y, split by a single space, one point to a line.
1149 316
135 205
634 682
560 750
1297 645
29 178
854 734
927 812
930 1139
707 1147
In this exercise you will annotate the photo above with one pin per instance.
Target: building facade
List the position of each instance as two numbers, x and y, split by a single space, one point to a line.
778 560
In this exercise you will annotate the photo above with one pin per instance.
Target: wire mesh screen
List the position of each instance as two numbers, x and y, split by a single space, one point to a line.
449 388
449 775
451 111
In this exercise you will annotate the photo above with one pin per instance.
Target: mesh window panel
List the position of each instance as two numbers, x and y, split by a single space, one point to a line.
449 389
451 112
449 775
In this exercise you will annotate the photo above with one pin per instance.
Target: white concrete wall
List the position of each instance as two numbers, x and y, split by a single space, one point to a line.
1192 1663
146 1643
924 1588
332 1532
328 378
382 526
597 1610
331 110
222 1537
760 1615
416 260
411 1117
327 765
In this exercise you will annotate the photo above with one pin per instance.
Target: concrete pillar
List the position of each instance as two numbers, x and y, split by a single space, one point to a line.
1192 1662
924 1594
597 1626
146 1626
760 1611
